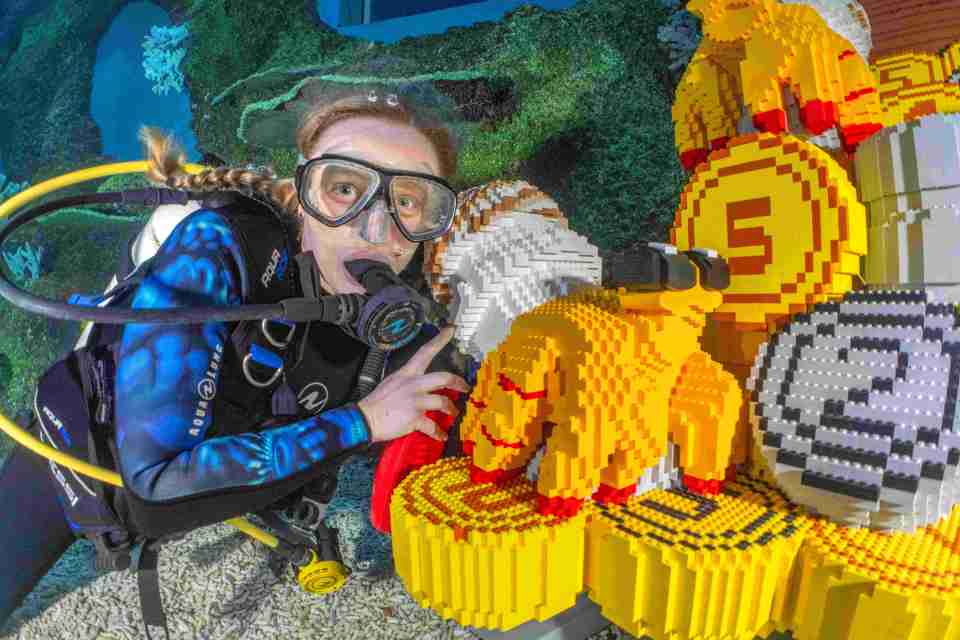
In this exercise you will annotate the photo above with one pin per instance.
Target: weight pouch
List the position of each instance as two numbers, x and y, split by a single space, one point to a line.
65 405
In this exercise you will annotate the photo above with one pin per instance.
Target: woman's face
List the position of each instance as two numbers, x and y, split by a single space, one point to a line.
389 145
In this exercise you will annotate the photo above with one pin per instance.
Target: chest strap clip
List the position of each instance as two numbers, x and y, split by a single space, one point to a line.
265 360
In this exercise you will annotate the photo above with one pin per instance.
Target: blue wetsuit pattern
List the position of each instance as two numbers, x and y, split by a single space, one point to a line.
164 392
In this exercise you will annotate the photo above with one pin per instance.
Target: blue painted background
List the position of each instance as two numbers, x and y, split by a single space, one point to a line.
339 13
122 99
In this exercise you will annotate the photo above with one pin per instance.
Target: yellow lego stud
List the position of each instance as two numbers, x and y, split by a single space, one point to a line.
481 554
858 584
674 565
786 218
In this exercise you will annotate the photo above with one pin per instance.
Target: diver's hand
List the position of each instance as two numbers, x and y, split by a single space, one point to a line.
397 405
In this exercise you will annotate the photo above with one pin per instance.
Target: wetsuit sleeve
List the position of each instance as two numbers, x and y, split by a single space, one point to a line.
167 373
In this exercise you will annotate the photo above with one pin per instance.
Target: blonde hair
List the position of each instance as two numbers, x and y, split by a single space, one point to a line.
166 159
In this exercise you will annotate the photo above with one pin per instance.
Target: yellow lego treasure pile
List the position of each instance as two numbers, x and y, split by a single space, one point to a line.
786 218
792 399
754 50
913 85
859 584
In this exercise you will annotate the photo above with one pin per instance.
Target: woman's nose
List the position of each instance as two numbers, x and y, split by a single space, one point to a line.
374 224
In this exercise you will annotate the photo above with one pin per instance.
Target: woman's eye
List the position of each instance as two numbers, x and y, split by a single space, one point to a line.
408 204
344 189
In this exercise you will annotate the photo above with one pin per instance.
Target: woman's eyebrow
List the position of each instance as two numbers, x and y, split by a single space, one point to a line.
423 166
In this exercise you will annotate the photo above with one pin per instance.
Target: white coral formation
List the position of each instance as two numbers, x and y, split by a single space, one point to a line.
503 258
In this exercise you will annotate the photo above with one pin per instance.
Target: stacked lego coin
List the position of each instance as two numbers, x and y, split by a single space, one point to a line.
674 564
858 584
854 407
480 554
909 180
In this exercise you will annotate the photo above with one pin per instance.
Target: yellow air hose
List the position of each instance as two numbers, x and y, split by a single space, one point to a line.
310 567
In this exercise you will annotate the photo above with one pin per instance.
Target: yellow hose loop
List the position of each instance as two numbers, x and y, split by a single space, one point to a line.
27 440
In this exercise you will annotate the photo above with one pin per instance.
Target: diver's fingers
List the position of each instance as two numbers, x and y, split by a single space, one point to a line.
433 402
429 427
439 380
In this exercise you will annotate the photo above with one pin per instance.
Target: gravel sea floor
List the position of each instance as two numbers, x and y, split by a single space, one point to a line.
216 583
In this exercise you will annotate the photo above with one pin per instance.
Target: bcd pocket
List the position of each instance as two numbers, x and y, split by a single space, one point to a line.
66 402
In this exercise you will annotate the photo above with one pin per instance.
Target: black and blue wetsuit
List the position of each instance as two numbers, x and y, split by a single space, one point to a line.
162 382
175 451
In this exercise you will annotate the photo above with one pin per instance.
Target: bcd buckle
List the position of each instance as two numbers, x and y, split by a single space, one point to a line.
264 358
279 343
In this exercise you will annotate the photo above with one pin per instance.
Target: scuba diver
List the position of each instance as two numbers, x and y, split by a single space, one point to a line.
218 419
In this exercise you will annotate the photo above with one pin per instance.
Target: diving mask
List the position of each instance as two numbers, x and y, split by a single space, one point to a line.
336 190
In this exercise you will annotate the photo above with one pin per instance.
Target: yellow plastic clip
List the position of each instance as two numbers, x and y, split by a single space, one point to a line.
322 576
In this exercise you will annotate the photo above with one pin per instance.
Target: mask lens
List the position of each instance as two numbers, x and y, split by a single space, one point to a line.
335 189
423 207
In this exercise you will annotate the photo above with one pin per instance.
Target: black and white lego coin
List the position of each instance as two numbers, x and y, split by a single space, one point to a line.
854 407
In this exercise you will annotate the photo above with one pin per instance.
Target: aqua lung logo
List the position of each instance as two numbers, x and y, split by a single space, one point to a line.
56 422
54 469
207 390
71 494
397 326
277 266
313 397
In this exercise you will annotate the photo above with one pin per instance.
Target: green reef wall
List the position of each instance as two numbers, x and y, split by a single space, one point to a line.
576 102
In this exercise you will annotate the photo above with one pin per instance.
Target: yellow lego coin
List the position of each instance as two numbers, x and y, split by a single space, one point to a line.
858 584
679 566
480 554
786 218
913 85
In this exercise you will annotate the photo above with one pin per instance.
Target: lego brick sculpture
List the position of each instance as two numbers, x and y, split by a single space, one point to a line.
601 377
481 554
909 178
509 250
855 410
860 584
675 565
786 218
913 85
754 49
846 18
